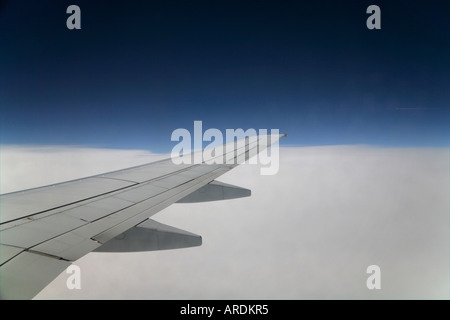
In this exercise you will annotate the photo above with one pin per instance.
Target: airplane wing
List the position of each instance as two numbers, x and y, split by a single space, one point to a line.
44 230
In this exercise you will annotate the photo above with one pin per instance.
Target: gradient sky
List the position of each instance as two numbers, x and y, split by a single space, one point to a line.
137 71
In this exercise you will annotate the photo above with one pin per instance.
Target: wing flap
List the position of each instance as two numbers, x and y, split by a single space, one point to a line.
27 274
36 231
8 252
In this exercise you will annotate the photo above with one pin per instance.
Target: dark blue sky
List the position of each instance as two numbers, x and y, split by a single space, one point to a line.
137 70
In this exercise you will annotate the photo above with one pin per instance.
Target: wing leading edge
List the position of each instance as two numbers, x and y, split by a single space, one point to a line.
43 230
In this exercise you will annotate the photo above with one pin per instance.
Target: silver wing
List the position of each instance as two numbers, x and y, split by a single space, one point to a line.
43 230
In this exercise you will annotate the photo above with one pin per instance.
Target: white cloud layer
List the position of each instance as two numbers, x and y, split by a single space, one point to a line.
309 232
